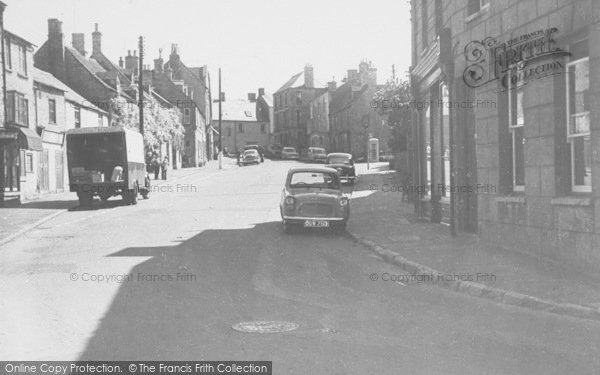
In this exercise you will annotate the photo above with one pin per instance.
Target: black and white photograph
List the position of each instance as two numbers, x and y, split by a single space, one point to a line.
309 187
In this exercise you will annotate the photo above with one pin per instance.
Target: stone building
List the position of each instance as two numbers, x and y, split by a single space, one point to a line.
264 112
353 120
508 146
240 125
318 118
291 109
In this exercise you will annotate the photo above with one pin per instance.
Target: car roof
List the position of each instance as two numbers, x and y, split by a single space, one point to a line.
293 148
312 169
339 154
251 150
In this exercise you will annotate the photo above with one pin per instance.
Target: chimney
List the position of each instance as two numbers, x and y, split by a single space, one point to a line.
261 92
159 63
131 62
121 62
367 73
309 80
352 75
56 49
251 97
174 57
96 41
331 86
78 41
168 71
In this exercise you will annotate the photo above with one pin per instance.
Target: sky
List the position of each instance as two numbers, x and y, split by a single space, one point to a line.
255 43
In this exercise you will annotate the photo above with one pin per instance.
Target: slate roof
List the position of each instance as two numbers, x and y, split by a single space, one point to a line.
235 110
296 81
48 79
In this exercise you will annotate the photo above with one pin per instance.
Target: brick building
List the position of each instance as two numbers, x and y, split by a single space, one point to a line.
515 88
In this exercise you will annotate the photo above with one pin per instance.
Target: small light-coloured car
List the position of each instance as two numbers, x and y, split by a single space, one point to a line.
289 153
250 157
313 198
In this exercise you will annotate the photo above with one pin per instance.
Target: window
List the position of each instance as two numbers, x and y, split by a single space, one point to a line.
22 60
186 116
240 128
427 141
100 121
52 111
578 118
77 110
475 6
17 108
229 132
263 128
445 138
28 163
299 98
7 53
516 124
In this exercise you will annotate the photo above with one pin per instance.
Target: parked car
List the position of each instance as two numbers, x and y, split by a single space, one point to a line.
313 198
317 155
274 151
344 165
250 157
289 153
258 148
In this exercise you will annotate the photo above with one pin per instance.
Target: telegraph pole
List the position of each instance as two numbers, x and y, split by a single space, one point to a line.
141 84
220 128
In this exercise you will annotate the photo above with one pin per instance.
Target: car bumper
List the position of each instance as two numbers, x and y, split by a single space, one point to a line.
304 218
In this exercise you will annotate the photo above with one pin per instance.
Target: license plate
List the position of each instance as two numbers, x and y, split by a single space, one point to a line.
316 224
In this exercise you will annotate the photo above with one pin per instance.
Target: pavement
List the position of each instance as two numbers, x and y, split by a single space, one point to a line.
15 221
168 278
388 226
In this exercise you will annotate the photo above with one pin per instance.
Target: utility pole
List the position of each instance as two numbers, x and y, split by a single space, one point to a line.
220 128
3 124
141 84
365 120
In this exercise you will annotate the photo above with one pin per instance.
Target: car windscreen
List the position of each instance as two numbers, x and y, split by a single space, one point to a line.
250 152
289 149
338 159
318 151
314 179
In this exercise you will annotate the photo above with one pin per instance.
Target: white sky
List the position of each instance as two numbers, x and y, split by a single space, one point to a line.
256 43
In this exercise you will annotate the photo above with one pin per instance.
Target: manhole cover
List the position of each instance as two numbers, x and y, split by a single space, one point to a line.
265 327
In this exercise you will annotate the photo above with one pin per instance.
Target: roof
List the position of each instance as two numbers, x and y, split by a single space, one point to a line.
235 110
340 154
312 169
20 38
268 98
297 80
48 79
97 130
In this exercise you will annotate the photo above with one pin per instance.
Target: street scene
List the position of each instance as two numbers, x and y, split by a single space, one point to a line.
291 206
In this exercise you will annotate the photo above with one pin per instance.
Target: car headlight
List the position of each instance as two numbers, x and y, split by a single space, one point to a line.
344 202
290 201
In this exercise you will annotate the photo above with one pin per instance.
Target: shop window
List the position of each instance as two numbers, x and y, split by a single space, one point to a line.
17 108
516 127
28 163
578 119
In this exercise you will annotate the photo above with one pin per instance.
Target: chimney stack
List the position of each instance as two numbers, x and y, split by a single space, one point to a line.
331 86
78 41
159 63
251 97
261 92
96 41
131 62
121 62
352 75
56 49
309 80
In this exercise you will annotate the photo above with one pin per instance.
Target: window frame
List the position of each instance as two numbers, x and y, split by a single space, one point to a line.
571 138
52 111
187 116
22 66
512 127
7 53
77 116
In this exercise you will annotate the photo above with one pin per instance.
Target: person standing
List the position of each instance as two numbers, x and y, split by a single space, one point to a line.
156 166
165 167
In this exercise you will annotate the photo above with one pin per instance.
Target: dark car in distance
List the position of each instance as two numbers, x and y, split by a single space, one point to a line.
258 148
344 164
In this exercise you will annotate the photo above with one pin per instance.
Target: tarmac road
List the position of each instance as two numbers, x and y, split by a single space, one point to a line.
167 279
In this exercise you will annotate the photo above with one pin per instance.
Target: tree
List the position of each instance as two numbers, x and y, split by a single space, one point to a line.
161 124
394 100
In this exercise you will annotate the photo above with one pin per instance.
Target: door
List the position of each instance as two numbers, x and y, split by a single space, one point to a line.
60 170
44 175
